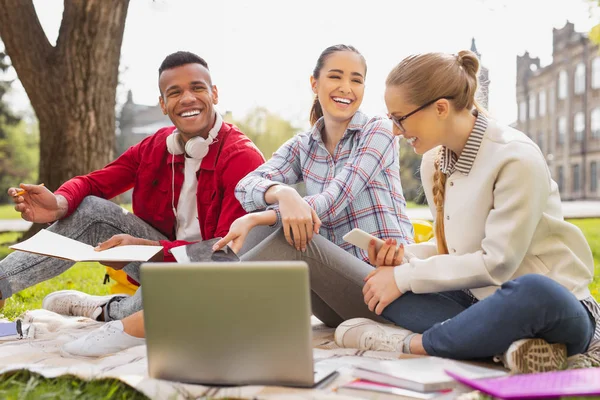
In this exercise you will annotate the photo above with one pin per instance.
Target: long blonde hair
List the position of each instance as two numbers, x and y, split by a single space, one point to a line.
429 76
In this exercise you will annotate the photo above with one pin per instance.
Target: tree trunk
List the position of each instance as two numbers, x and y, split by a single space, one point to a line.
71 86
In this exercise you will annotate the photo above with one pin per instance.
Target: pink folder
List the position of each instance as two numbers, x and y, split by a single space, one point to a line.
576 382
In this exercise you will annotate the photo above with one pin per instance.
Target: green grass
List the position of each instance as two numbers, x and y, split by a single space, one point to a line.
410 204
591 229
25 385
87 277
7 211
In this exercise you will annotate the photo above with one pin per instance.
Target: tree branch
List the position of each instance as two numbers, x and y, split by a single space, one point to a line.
23 36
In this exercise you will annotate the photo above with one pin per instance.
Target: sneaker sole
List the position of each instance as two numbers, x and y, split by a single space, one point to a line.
537 355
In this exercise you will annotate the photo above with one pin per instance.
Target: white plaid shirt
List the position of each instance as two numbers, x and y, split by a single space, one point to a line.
356 187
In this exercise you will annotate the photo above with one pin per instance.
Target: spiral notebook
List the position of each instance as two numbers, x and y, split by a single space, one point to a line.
576 382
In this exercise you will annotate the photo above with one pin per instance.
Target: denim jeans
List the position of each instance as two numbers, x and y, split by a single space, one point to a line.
94 221
455 325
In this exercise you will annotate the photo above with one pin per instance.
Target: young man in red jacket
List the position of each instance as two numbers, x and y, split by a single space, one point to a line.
183 179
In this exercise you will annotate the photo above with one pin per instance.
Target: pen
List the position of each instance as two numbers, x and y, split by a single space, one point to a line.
23 191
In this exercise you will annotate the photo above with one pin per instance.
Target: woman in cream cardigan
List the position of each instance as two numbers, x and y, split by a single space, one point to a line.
506 275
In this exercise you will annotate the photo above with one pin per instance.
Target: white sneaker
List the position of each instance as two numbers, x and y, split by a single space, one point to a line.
365 334
108 339
528 356
73 302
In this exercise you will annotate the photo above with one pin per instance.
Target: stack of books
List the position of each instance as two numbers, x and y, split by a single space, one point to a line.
416 378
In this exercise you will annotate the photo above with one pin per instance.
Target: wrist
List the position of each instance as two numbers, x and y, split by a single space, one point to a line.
62 206
278 192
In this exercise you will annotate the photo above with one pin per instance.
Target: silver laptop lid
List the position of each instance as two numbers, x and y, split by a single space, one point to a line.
228 323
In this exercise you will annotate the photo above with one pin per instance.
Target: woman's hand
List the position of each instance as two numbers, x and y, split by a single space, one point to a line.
299 219
236 236
380 289
389 255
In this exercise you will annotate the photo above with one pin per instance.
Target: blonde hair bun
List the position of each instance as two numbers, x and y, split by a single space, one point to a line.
469 61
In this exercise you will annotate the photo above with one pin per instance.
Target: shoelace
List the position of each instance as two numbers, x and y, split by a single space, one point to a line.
501 358
85 309
382 342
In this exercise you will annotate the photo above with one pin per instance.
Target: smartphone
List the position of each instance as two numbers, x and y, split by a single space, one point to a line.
11 330
361 239
202 252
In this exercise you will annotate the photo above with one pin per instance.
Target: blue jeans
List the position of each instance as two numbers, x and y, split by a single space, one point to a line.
455 325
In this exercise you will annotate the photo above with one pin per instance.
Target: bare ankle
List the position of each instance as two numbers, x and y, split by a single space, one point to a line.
134 325
416 345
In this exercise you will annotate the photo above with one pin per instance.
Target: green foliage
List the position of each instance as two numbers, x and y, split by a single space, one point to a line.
8 117
267 130
19 156
410 163
18 150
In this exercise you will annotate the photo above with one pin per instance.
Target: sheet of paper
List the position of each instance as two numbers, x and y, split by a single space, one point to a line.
52 244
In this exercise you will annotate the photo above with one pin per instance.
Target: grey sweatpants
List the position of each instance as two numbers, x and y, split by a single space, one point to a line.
94 221
336 276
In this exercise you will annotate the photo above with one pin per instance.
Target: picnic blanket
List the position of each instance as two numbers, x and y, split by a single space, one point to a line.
39 352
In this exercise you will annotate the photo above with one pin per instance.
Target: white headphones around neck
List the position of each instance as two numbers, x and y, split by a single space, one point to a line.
196 147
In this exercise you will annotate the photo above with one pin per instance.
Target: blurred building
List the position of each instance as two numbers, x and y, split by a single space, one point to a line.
559 108
136 121
484 79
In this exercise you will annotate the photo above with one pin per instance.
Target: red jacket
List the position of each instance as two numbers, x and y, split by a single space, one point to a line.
146 167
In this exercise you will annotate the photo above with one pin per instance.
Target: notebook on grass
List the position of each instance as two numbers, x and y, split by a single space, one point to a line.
576 382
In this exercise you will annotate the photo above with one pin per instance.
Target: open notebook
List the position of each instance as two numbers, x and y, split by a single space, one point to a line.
52 244
577 382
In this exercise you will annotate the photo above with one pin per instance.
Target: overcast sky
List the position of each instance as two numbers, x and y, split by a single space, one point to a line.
262 52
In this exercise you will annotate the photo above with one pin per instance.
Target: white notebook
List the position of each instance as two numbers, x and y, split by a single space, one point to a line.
52 244
423 374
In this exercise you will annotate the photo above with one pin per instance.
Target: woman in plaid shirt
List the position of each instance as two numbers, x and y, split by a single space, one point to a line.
349 164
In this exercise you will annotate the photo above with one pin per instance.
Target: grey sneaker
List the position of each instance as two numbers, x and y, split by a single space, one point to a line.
528 356
73 302
365 334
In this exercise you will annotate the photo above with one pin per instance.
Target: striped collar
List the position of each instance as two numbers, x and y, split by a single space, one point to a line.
450 162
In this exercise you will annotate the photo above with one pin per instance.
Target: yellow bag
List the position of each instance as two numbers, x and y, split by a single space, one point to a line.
423 230
122 285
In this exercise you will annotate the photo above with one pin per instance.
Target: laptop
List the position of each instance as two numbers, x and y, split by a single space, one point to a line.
230 323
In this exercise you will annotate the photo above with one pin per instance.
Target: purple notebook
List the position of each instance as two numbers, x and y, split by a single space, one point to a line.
576 382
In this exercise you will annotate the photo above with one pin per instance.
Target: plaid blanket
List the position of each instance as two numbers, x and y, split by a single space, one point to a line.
39 352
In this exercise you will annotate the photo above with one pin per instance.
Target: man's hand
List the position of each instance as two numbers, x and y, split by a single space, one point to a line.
380 289
388 256
123 240
38 204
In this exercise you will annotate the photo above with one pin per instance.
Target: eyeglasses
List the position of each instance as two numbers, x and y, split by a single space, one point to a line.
398 121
